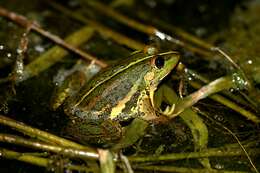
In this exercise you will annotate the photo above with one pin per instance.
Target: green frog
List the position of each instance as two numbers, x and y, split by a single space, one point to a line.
113 98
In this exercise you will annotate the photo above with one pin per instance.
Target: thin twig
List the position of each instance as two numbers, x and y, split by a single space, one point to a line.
211 88
41 135
204 80
39 161
103 30
209 152
66 151
182 169
23 21
249 115
56 53
144 28
235 137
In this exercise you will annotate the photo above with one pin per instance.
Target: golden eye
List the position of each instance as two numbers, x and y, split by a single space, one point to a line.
159 62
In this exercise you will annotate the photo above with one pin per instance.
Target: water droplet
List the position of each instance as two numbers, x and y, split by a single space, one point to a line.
19 51
201 32
1 47
250 61
9 55
218 118
219 166
39 48
240 82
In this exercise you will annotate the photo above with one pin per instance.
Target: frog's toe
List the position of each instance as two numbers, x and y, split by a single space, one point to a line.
169 110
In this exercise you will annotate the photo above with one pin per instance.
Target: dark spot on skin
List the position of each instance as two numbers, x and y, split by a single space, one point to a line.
126 122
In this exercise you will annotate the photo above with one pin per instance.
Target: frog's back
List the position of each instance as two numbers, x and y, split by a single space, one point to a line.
118 86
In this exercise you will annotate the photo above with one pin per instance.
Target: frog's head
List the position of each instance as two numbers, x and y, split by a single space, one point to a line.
161 66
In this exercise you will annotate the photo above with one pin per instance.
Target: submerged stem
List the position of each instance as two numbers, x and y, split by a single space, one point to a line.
249 115
38 161
210 152
66 151
213 87
41 135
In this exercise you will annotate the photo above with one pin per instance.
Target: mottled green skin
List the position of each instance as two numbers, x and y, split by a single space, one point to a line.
90 109
107 94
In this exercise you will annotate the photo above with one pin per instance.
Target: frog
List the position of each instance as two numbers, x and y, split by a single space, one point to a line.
111 100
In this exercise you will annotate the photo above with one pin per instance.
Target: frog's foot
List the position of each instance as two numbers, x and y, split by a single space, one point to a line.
169 110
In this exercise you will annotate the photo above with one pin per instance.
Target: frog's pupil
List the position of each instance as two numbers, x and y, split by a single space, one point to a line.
159 62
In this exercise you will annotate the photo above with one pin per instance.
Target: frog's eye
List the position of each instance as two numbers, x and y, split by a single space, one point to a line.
159 62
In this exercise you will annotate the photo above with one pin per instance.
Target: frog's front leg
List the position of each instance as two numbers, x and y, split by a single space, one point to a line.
69 82
131 134
165 93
